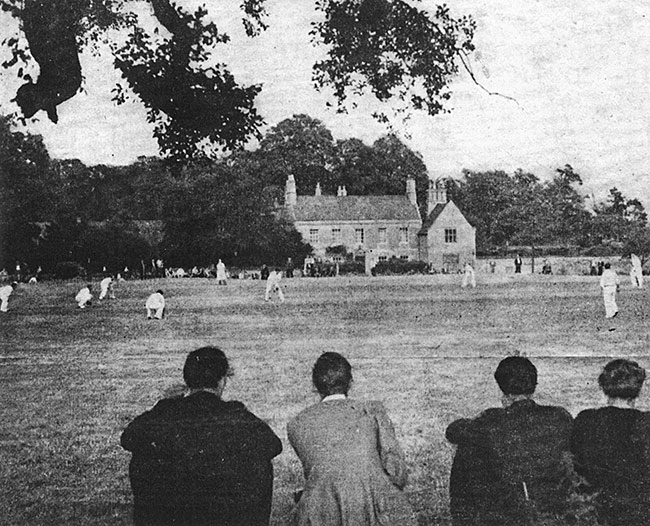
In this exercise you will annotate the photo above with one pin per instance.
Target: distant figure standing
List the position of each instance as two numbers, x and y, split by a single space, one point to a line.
84 296
155 305
106 288
5 292
273 285
290 267
601 267
609 282
264 272
636 272
469 277
518 263
221 273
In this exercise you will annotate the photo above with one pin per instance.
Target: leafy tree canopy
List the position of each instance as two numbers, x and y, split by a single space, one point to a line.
393 50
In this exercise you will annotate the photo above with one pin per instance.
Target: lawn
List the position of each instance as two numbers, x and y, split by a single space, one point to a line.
71 379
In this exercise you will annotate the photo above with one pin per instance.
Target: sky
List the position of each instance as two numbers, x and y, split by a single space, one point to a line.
578 72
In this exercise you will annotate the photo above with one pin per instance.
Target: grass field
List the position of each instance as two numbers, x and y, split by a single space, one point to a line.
71 379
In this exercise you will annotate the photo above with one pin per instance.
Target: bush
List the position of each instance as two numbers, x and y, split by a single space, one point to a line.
399 266
352 267
68 270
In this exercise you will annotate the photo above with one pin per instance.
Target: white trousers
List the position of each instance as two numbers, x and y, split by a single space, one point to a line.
609 297
4 304
469 279
636 276
270 288
155 313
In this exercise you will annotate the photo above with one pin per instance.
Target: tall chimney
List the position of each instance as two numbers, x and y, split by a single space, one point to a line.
437 194
290 196
410 191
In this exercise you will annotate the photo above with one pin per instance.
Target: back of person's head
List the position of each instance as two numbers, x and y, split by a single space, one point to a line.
516 375
607 265
622 379
332 374
159 292
205 367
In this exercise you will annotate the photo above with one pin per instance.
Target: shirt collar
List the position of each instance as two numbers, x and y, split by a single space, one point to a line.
333 397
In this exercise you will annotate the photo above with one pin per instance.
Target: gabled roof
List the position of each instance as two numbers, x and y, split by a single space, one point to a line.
428 222
435 213
354 208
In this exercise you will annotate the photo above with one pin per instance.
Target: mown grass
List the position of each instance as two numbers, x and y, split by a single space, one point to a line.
70 380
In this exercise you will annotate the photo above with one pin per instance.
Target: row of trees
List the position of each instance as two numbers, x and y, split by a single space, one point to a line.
59 210
519 209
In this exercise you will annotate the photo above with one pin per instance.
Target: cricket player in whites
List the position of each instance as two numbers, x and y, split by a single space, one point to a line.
273 285
106 286
5 292
155 305
84 297
469 277
636 272
609 282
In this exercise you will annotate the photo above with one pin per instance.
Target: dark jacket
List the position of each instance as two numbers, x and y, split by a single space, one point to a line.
609 445
199 460
509 464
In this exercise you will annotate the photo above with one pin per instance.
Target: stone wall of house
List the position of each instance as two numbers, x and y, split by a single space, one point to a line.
444 254
348 237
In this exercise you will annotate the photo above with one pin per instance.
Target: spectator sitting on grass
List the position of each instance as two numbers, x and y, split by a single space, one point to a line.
608 444
199 460
509 464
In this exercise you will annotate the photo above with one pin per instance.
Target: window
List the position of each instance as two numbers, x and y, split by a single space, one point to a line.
313 236
382 236
336 236
383 258
404 258
450 235
403 234
338 259
359 236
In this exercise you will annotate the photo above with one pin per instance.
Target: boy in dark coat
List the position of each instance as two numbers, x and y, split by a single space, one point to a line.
510 461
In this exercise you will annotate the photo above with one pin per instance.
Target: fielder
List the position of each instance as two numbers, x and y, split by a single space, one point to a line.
636 272
83 297
273 285
469 277
106 286
155 305
609 282
5 292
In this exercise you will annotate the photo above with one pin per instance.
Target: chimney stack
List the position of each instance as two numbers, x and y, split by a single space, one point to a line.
410 191
437 194
290 196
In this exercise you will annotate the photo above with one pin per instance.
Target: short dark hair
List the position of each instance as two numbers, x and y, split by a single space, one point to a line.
608 265
205 367
622 378
516 375
159 292
332 374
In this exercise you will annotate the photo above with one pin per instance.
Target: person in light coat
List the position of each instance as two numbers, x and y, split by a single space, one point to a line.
273 285
469 277
610 283
5 292
636 272
155 305
106 288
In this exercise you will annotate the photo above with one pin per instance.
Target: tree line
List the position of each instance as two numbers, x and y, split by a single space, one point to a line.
54 210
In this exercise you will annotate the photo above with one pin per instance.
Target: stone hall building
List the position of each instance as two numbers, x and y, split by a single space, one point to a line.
380 227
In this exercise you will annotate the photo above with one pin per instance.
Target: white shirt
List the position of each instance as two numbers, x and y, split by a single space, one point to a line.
155 301
6 291
609 278
332 397
83 294
105 282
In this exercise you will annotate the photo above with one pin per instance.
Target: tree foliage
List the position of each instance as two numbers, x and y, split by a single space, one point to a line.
394 50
